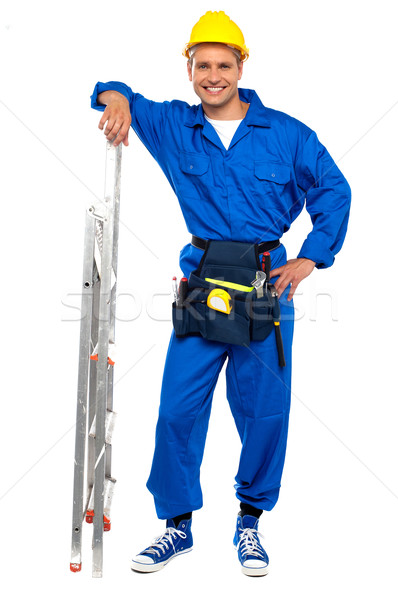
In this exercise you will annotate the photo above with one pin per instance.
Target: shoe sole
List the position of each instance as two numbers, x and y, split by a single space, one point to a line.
152 568
253 571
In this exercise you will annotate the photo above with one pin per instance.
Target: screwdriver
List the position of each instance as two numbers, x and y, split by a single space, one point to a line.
182 291
175 292
266 266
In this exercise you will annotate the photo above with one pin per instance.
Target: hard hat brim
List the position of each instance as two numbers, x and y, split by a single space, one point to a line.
244 52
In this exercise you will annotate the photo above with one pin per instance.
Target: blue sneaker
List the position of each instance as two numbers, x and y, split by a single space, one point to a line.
174 541
251 554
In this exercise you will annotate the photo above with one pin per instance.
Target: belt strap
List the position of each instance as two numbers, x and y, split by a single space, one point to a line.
262 246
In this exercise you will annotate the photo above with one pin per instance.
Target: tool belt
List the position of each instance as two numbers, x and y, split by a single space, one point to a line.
229 298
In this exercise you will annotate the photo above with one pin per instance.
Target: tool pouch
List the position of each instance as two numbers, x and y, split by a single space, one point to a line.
251 317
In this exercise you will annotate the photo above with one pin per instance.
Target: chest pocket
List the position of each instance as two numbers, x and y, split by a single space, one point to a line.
275 172
194 164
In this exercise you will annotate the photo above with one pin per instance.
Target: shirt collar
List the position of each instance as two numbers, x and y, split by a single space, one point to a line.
257 113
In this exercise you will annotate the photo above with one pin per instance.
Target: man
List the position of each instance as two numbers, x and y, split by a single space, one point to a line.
241 173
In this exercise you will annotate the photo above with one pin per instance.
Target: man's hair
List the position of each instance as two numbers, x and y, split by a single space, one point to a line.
193 49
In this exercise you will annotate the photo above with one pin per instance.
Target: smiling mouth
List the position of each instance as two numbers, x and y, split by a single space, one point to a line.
214 90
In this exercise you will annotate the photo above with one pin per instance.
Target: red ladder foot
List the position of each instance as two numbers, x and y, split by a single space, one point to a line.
90 518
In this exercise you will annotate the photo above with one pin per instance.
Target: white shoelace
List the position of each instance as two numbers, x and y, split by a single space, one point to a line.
249 543
163 541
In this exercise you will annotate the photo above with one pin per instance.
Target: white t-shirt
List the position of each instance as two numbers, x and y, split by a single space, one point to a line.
225 129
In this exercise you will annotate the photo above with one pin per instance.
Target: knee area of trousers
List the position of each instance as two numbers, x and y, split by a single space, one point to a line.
173 422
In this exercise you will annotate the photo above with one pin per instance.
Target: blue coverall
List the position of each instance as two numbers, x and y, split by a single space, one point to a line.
251 192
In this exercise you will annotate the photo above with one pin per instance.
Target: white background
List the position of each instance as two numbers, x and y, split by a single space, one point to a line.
333 532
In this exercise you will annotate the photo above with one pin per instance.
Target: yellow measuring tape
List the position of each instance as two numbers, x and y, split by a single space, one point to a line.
220 300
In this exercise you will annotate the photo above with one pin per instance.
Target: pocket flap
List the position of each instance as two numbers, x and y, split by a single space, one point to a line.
194 164
269 171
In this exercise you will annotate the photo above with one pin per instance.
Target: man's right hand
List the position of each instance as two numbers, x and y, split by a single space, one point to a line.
117 117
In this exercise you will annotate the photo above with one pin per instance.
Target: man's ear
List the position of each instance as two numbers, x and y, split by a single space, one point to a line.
240 70
189 69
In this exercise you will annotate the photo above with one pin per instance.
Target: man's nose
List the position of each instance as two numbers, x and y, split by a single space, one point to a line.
214 75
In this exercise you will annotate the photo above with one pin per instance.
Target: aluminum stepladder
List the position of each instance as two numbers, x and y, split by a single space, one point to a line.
93 482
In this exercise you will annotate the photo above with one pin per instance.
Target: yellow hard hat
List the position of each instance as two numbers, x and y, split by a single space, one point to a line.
217 27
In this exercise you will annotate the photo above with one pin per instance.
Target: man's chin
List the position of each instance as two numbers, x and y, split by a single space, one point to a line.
212 100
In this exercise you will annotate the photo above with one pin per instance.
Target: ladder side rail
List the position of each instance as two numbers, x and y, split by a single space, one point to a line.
117 183
92 387
102 366
101 400
111 372
82 391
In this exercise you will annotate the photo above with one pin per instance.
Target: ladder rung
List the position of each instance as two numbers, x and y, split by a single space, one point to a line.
109 426
108 495
111 353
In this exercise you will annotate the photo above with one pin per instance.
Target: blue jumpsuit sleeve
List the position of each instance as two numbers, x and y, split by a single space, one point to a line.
328 199
147 117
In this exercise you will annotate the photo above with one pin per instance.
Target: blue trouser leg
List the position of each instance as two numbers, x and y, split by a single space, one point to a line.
190 375
258 391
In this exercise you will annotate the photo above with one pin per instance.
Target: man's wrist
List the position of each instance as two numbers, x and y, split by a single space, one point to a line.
307 259
109 96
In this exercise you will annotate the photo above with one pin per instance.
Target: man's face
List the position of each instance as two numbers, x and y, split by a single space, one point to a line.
215 74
